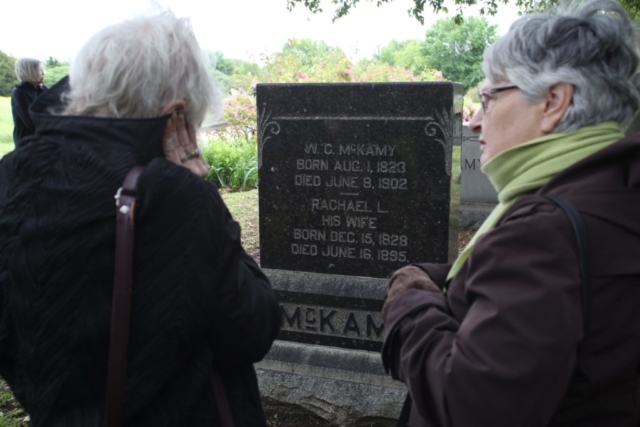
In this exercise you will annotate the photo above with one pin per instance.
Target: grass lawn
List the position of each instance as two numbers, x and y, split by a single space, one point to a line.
244 209
6 128
11 415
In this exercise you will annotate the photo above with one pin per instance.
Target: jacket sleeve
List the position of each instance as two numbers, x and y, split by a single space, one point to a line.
437 272
20 105
510 358
246 315
6 336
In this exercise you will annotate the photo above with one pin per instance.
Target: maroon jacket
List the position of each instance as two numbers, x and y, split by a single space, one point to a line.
499 348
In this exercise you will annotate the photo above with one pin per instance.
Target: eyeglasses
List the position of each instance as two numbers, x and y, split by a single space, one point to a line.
487 94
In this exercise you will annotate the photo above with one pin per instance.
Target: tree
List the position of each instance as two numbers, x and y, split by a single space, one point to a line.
487 7
304 60
224 70
409 54
308 52
52 62
631 6
7 74
457 50
55 74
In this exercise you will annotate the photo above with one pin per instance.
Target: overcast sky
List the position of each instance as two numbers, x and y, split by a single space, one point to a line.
241 29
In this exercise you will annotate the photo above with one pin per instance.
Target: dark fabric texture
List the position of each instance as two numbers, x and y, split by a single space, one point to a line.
22 96
198 298
500 347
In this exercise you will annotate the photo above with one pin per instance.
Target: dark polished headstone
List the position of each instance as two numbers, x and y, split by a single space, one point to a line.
355 179
355 182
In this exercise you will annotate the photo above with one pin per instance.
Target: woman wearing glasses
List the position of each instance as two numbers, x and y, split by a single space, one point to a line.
511 334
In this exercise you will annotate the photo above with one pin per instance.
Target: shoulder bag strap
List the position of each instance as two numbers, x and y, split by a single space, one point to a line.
121 305
585 276
222 403
121 310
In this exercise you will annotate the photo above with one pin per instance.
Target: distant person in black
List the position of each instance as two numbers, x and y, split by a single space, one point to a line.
30 72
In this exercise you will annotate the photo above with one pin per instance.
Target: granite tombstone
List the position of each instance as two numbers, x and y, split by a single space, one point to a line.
355 182
478 197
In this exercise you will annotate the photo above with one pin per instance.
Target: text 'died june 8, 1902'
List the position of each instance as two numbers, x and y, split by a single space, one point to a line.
348 225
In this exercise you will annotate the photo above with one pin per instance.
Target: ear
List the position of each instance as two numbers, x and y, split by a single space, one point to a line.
175 105
558 99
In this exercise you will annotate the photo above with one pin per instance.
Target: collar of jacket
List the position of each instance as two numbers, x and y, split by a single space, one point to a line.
26 86
142 136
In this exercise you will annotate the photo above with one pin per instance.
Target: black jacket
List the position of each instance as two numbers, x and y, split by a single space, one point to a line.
22 96
197 296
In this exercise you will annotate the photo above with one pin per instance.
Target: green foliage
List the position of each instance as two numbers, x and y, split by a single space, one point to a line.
374 71
52 62
55 74
631 6
245 67
409 54
232 163
6 126
7 74
11 413
306 61
308 52
417 9
457 50
224 70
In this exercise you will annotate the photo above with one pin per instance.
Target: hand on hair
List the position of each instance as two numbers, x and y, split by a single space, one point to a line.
402 280
181 147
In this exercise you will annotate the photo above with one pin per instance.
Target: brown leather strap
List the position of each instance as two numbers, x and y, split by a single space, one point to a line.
121 311
222 403
121 307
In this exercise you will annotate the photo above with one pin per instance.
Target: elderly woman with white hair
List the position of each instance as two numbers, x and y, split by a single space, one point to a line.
30 73
136 94
531 326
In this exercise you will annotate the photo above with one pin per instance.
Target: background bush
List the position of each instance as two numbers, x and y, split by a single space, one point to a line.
233 163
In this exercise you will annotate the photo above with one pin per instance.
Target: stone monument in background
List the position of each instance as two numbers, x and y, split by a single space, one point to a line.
355 182
477 195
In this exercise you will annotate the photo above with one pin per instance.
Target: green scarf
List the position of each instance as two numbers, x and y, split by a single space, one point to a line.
527 167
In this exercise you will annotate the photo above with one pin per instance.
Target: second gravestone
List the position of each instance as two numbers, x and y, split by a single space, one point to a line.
355 182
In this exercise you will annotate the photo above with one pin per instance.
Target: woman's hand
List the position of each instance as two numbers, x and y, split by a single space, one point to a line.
181 147
402 280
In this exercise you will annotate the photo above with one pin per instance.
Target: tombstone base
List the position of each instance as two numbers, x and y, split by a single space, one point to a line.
473 214
342 386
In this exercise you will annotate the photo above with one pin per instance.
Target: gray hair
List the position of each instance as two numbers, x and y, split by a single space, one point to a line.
134 68
28 69
588 44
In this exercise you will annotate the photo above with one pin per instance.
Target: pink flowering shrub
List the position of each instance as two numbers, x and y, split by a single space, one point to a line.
240 114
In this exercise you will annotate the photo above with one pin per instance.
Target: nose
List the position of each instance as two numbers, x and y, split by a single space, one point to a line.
475 124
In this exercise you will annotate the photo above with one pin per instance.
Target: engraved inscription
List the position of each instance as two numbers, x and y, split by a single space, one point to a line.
470 164
332 321
348 224
357 181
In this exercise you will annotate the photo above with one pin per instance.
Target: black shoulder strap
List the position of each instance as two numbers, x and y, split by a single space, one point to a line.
583 252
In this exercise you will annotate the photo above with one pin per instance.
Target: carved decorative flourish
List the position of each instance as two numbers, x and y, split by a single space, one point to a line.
440 129
265 126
